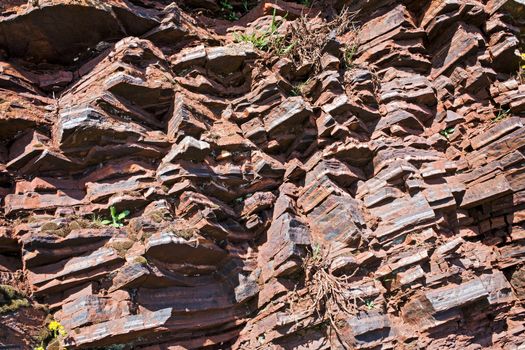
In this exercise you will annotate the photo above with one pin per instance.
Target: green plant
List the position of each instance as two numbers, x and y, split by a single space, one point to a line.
11 299
228 10
242 198
370 304
116 219
266 39
446 132
56 329
502 114
51 334
14 305
349 54
258 40
302 41
298 89
8 292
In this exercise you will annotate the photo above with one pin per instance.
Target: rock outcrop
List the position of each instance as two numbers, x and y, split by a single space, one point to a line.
375 203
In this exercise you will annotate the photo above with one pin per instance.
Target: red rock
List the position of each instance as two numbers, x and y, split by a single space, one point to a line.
63 46
459 41
485 191
253 179
184 251
498 131
291 113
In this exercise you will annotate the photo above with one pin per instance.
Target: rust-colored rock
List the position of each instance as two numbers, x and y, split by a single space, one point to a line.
388 176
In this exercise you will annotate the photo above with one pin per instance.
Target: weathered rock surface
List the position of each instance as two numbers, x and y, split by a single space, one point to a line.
404 169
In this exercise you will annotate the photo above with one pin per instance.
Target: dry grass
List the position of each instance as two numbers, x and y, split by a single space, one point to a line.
303 40
327 294
308 37
520 74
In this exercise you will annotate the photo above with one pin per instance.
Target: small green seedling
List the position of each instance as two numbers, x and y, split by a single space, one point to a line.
370 305
446 132
116 219
502 114
350 52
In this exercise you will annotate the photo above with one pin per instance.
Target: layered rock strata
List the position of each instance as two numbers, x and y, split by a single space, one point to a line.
402 170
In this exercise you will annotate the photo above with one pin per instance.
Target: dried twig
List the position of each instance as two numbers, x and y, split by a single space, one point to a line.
327 293
305 39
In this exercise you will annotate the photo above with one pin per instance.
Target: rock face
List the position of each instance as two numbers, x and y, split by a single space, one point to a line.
398 174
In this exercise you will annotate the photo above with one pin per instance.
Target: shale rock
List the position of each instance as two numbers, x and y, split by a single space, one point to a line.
373 199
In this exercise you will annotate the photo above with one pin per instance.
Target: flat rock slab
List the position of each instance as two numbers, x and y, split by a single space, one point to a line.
173 249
